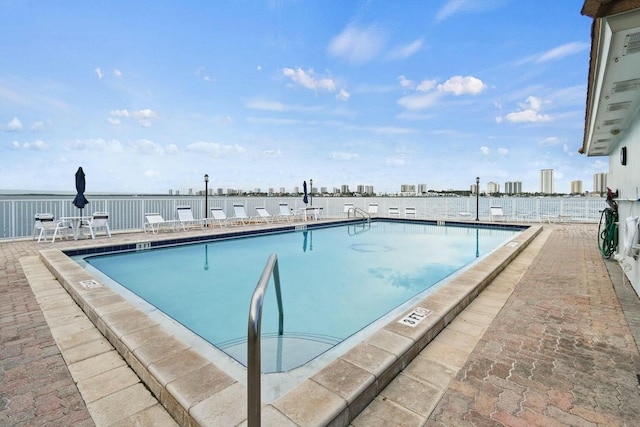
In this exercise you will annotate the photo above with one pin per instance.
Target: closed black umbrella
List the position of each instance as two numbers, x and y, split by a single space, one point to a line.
80 201
305 199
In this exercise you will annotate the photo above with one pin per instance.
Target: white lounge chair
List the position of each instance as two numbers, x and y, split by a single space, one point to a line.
57 228
496 214
239 214
155 222
373 209
394 212
98 220
409 212
285 213
347 208
218 217
186 219
39 219
263 214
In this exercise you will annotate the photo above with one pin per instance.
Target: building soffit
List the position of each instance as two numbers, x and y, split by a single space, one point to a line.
613 91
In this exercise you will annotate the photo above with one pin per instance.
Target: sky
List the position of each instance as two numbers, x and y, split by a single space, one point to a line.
149 96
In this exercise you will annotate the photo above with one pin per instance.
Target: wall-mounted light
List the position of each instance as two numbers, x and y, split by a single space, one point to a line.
623 156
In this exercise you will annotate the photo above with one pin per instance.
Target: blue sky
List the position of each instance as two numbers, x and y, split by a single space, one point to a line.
149 96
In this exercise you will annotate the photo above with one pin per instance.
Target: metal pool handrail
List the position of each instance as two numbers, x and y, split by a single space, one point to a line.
357 210
254 401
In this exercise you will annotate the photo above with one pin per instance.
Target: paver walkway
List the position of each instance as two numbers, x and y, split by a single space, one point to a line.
559 353
36 388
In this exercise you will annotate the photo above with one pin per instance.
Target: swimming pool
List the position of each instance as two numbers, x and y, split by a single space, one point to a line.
336 281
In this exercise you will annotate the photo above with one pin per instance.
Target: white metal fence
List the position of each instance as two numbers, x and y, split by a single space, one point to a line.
127 213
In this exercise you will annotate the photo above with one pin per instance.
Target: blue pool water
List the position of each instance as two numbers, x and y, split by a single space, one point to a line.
335 281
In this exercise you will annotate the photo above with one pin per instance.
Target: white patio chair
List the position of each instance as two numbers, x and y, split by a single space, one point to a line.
57 228
410 212
186 219
155 222
285 213
496 214
239 214
347 208
218 217
98 220
263 214
39 219
394 212
373 209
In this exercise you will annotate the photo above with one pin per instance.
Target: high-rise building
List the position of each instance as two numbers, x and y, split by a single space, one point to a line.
408 188
422 189
513 187
576 187
600 183
493 187
344 189
546 181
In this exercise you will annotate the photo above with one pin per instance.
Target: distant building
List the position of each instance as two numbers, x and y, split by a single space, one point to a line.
282 190
344 188
422 189
513 187
493 187
576 187
546 181
408 188
600 183
220 192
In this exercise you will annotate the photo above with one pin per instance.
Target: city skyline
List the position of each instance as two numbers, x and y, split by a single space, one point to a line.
268 94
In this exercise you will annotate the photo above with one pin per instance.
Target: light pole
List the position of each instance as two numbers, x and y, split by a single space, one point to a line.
477 197
311 192
206 196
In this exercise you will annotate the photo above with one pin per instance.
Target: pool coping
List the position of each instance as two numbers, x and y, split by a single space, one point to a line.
195 391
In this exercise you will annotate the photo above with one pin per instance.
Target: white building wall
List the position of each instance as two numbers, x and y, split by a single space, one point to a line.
626 180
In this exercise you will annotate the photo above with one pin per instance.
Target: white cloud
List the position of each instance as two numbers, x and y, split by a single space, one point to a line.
171 149
550 141
143 117
459 85
117 73
215 149
485 150
37 126
97 144
37 145
530 111
341 155
343 95
426 85
98 73
562 51
147 147
453 7
259 104
403 52
419 101
502 151
357 45
405 82
14 125
308 80
272 153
